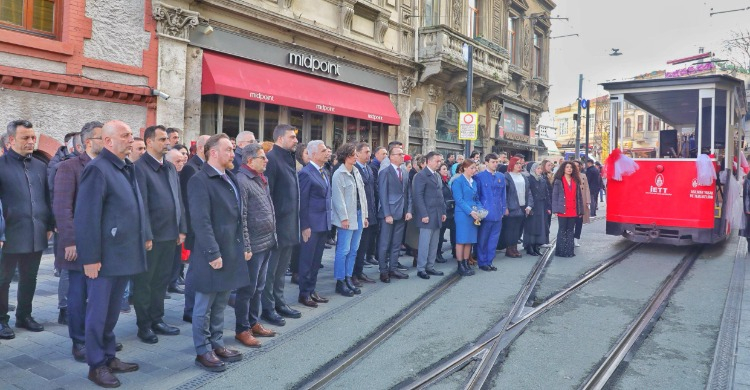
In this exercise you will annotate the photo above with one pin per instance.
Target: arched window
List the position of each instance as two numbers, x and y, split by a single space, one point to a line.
628 128
447 123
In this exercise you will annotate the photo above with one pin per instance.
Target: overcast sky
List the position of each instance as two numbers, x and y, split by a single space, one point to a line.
648 33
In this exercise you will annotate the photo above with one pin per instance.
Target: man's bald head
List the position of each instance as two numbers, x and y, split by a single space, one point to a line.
118 138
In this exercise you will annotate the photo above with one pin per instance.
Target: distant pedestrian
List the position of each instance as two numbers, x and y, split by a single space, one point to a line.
567 203
594 179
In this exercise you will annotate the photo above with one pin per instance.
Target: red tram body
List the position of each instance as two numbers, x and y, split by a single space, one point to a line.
662 201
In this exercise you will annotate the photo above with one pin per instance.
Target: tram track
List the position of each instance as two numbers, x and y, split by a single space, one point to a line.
488 349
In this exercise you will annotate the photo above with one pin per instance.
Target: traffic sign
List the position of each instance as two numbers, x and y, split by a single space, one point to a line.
467 126
584 103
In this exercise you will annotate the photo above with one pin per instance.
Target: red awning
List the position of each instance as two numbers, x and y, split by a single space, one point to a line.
243 79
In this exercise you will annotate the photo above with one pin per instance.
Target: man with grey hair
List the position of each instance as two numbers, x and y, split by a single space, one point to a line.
243 139
72 293
284 187
259 231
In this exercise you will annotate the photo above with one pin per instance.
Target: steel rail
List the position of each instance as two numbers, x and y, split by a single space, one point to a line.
327 374
617 354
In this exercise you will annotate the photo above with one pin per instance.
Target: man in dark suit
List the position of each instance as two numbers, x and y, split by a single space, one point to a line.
24 188
218 257
429 211
192 167
395 210
284 186
315 221
369 179
594 178
244 138
110 231
165 226
63 205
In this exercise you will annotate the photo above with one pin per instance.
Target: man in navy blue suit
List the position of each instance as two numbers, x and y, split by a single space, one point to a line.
110 230
315 221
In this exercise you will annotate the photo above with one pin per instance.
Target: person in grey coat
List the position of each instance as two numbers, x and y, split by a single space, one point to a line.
259 230
25 196
429 213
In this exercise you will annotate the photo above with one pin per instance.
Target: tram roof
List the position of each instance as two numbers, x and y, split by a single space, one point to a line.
673 99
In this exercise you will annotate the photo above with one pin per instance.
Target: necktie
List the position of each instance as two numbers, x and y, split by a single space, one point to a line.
398 172
323 175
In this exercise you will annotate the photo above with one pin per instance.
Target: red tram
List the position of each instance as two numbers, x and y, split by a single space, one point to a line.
663 200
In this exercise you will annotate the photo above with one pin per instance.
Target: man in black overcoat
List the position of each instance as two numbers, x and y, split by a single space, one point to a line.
110 231
218 258
284 186
595 185
25 191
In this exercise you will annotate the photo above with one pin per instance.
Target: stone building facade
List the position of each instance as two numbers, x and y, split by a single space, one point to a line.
76 61
338 70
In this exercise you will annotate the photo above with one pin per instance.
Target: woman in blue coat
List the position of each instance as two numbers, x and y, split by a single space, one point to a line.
465 193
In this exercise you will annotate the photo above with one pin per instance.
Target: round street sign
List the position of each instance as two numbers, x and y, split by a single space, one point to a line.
584 103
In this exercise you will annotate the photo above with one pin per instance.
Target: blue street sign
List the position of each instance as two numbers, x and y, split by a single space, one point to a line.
584 103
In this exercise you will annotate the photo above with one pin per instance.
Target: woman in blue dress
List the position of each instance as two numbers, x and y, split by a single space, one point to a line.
467 203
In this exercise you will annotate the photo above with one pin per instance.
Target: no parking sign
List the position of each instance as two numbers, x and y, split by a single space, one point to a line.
467 126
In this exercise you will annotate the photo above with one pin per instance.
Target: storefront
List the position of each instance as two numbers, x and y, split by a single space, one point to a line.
262 84
512 133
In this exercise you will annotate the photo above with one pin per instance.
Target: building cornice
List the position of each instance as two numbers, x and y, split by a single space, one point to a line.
263 16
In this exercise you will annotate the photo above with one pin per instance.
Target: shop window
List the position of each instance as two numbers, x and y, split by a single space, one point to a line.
338 132
209 114
297 119
270 121
39 17
316 126
447 123
230 123
377 134
351 130
252 117
364 131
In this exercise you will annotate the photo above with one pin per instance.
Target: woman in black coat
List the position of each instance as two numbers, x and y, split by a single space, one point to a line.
450 207
535 227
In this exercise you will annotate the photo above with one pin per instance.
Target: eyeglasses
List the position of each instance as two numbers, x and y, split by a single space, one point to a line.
95 138
261 157
397 154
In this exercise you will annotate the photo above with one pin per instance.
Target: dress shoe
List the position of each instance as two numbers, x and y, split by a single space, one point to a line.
103 377
228 355
355 281
247 339
423 275
147 336
117 366
273 318
187 318
440 259
492 267
307 301
174 288
485 268
331 242
29 324
163 328
364 278
288 312
342 289
385 277
372 260
351 286
124 306
210 362
62 318
259 331
118 347
434 272
398 274
295 278
401 267
317 298
79 352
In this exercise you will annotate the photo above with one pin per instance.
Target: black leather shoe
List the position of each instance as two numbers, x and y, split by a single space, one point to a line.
288 312
317 298
79 352
62 318
384 277
273 318
371 260
103 377
423 275
118 347
492 267
163 328
434 272
174 288
341 288
351 286
147 336
485 268
400 267
29 324
398 274
440 259
187 318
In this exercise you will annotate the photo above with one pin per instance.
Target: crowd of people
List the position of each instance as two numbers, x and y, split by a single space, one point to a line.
128 214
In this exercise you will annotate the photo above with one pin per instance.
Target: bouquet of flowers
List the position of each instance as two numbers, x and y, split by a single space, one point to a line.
482 214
